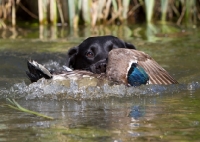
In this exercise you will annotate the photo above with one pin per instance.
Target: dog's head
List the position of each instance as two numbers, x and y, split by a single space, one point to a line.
92 53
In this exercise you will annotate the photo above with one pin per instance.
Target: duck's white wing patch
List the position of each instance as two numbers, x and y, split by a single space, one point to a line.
130 64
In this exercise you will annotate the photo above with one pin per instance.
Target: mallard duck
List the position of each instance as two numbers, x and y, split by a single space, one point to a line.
126 66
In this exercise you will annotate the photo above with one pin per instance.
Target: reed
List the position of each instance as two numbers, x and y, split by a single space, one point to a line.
74 8
126 8
85 6
14 105
42 11
93 12
190 10
149 5
164 5
53 12
13 13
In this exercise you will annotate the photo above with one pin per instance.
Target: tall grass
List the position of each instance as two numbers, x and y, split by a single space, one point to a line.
85 6
53 12
42 12
190 10
93 12
164 5
149 5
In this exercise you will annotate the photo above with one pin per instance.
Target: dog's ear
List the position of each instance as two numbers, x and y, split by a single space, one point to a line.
71 54
129 45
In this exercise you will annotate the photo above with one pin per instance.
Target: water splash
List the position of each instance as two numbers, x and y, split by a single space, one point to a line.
87 89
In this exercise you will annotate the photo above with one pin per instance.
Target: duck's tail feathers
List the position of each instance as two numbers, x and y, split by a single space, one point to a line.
37 71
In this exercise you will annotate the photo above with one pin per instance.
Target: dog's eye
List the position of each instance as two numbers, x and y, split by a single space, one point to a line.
89 54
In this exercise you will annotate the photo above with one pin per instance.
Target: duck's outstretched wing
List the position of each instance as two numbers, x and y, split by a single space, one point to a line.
120 61
157 74
37 71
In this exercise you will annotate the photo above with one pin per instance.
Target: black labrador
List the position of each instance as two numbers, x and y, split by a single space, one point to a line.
92 53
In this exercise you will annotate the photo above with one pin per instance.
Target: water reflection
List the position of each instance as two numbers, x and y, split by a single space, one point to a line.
125 119
149 32
110 118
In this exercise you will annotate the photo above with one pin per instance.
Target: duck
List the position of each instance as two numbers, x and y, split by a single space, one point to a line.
124 66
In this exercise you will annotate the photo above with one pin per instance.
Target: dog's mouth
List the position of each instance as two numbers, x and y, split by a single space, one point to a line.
98 67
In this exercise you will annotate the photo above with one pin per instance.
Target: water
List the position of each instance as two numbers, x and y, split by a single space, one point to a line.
107 112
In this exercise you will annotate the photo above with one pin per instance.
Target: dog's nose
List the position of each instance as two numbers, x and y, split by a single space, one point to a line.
99 67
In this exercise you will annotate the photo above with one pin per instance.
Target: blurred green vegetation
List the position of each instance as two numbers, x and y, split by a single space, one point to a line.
99 12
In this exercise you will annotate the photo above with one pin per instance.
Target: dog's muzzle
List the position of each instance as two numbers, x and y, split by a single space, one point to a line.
98 67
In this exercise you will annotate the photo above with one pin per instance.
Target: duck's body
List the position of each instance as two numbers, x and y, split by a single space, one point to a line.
127 66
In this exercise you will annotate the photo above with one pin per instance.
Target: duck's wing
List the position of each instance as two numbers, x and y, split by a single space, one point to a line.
123 63
157 74
37 71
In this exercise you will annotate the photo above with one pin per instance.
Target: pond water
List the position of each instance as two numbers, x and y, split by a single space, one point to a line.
113 113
